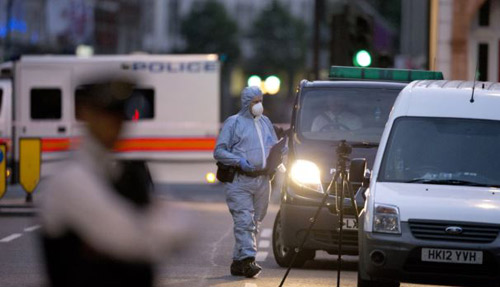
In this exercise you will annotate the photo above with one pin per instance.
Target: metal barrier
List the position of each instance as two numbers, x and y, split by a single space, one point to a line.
3 169
30 157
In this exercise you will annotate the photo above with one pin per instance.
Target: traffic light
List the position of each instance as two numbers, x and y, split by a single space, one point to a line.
362 58
363 39
352 37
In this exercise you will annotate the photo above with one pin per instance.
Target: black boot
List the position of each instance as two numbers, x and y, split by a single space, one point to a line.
251 268
237 268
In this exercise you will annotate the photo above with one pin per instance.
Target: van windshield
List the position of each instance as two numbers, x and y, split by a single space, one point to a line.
443 151
353 114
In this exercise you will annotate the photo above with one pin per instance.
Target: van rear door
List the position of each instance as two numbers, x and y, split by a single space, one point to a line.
5 111
43 110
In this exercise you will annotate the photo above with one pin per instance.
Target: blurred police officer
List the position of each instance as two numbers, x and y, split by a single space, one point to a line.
99 225
245 142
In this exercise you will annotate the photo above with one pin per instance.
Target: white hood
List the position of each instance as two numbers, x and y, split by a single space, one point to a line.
441 202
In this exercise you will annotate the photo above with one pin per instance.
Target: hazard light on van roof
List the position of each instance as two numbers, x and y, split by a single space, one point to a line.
397 75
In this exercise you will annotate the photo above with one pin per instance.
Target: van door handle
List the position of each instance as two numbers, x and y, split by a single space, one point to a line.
61 129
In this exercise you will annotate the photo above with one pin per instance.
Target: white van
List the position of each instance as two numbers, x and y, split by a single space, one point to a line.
174 112
432 210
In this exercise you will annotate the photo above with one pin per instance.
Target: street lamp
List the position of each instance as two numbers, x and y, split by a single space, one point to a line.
254 80
272 85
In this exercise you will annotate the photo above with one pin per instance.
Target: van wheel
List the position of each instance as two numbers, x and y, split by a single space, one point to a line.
284 254
370 283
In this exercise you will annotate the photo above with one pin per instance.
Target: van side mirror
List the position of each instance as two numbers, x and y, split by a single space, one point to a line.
366 181
357 171
361 193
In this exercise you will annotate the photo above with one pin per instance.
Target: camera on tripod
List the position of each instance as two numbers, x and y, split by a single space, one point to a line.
357 166
341 187
344 149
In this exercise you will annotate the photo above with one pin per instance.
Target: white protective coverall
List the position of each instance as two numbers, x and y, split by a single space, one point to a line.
251 138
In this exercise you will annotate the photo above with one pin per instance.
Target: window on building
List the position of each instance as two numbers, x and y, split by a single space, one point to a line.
482 61
46 103
484 14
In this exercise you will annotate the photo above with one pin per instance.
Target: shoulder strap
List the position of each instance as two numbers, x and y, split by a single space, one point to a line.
231 139
269 125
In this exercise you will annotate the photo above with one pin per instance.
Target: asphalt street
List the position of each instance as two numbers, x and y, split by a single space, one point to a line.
204 261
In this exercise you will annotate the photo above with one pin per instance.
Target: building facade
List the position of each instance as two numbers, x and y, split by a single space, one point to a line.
468 33
59 26
22 26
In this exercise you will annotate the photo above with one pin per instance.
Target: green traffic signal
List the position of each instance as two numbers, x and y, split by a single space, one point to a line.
362 59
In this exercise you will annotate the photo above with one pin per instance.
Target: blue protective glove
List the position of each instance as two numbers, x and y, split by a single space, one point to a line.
246 166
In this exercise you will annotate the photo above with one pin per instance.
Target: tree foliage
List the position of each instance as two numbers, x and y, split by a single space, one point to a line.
209 29
279 39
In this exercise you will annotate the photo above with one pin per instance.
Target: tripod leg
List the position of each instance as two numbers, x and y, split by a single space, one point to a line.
337 196
353 200
334 185
341 224
313 221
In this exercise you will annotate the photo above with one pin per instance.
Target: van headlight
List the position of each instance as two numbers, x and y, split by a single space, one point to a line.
386 219
307 175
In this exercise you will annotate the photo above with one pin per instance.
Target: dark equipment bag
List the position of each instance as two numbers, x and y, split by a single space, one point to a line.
225 173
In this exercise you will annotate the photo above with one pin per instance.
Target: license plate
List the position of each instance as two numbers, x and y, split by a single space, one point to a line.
452 256
350 224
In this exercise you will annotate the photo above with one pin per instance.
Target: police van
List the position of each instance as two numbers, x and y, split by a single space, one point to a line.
433 205
173 115
354 106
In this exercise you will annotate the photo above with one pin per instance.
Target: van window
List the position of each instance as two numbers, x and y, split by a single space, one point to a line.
141 105
46 103
443 151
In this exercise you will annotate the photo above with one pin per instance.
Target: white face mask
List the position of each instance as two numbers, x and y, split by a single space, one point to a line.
257 110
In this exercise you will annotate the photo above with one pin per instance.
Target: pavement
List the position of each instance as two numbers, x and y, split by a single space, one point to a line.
203 262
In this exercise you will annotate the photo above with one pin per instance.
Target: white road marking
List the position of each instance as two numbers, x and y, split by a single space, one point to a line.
266 233
250 285
261 256
264 243
10 237
215 247
31 228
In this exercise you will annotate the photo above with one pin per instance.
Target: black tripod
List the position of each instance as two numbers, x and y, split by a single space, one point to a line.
340 182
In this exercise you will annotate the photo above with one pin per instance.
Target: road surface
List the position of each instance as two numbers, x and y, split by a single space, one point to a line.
205 262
